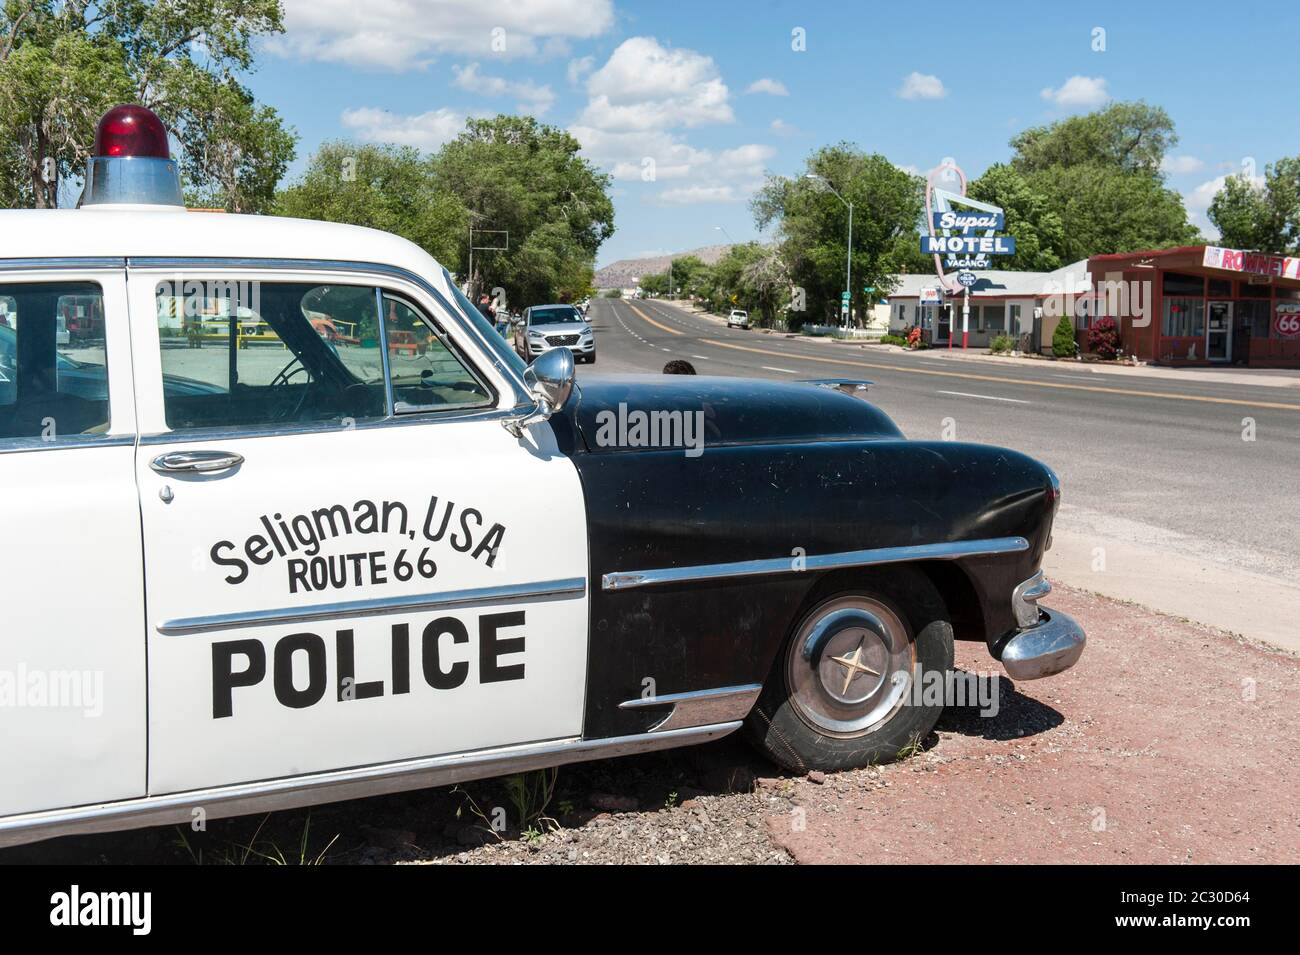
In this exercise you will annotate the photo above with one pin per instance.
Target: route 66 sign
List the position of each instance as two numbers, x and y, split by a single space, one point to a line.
1286 321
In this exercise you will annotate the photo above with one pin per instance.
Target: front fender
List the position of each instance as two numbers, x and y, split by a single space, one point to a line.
655 509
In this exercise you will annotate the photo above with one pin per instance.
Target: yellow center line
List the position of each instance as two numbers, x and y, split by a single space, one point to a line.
665 328
1010 381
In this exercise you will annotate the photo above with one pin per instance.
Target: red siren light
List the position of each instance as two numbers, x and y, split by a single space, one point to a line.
131 132
131 162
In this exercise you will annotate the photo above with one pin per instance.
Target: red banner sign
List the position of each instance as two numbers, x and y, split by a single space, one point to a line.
1252 263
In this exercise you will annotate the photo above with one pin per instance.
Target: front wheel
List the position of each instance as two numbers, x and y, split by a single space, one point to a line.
841 693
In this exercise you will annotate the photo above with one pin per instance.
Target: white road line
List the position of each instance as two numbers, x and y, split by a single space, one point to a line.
963 394
701 357
786 371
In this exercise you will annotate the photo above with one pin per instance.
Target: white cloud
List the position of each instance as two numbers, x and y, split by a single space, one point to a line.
579 68
689 195
425 131
408 34
647 86
1078 92
767 85
921 86
636 102
782 128
532 98
625 153
1181 165
746 161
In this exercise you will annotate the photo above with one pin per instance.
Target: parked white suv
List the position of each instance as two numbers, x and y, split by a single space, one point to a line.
739 318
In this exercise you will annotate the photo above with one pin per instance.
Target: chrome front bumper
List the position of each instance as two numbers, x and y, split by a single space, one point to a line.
1050 646
1046 641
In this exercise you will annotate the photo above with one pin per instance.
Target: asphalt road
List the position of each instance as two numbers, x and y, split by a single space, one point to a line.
1156 462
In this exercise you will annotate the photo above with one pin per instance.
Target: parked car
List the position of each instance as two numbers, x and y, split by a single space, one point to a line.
739 318
337 569
555 326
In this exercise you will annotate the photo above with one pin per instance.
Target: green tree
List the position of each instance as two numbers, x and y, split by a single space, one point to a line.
1037 227
1131 137
1264 217
1063 342
812 224
391 188
526 179
1107 210
1100 174
63 64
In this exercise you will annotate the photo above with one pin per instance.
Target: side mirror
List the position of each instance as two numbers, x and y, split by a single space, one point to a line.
550 382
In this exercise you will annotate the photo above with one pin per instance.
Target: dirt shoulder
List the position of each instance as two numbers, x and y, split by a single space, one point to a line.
1168 742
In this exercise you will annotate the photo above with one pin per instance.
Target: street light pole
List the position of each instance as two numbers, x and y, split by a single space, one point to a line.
848 253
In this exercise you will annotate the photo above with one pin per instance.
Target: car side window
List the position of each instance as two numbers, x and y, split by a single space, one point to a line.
253 354
426 374
53 362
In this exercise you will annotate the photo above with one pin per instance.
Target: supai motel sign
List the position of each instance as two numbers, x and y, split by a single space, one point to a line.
966 239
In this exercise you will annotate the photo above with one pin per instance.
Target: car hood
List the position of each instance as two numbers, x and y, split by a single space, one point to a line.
563 328
731 411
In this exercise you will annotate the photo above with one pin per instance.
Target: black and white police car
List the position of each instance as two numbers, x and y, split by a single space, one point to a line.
289 522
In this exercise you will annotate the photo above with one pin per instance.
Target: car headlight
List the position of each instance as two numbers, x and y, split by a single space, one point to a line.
536 335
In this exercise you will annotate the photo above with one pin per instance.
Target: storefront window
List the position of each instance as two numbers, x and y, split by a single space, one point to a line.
1251 290
995 318
1220 288
1254 317
1184 317
1175 283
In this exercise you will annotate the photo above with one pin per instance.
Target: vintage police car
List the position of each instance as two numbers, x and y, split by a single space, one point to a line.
294 524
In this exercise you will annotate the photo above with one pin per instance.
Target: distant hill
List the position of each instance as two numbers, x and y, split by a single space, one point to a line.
625 272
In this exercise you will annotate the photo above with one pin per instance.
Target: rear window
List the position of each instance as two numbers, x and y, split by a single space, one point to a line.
53 362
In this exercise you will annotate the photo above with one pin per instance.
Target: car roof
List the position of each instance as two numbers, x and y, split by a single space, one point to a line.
148 232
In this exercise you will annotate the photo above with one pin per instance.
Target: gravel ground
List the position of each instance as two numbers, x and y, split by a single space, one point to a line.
1168 742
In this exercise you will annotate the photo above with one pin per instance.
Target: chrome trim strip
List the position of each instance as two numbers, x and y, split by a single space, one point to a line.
312 265
566 588
70 442
294 792
70 262
699 707
627 580
405 419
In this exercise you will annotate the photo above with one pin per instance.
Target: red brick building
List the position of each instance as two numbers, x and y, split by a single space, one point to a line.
1200 305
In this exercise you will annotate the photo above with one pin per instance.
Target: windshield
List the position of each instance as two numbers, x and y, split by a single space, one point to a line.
556 315
503 353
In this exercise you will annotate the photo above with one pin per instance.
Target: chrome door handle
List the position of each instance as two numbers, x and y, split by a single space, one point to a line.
182 461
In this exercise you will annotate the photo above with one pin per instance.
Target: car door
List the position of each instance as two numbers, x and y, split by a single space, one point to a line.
349 561
72 655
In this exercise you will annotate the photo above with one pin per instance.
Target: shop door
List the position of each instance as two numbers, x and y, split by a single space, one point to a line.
1218 331
943 329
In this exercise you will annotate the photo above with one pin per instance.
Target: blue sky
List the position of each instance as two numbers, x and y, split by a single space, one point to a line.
710 96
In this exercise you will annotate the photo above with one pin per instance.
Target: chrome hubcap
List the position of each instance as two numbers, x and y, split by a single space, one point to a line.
850 666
